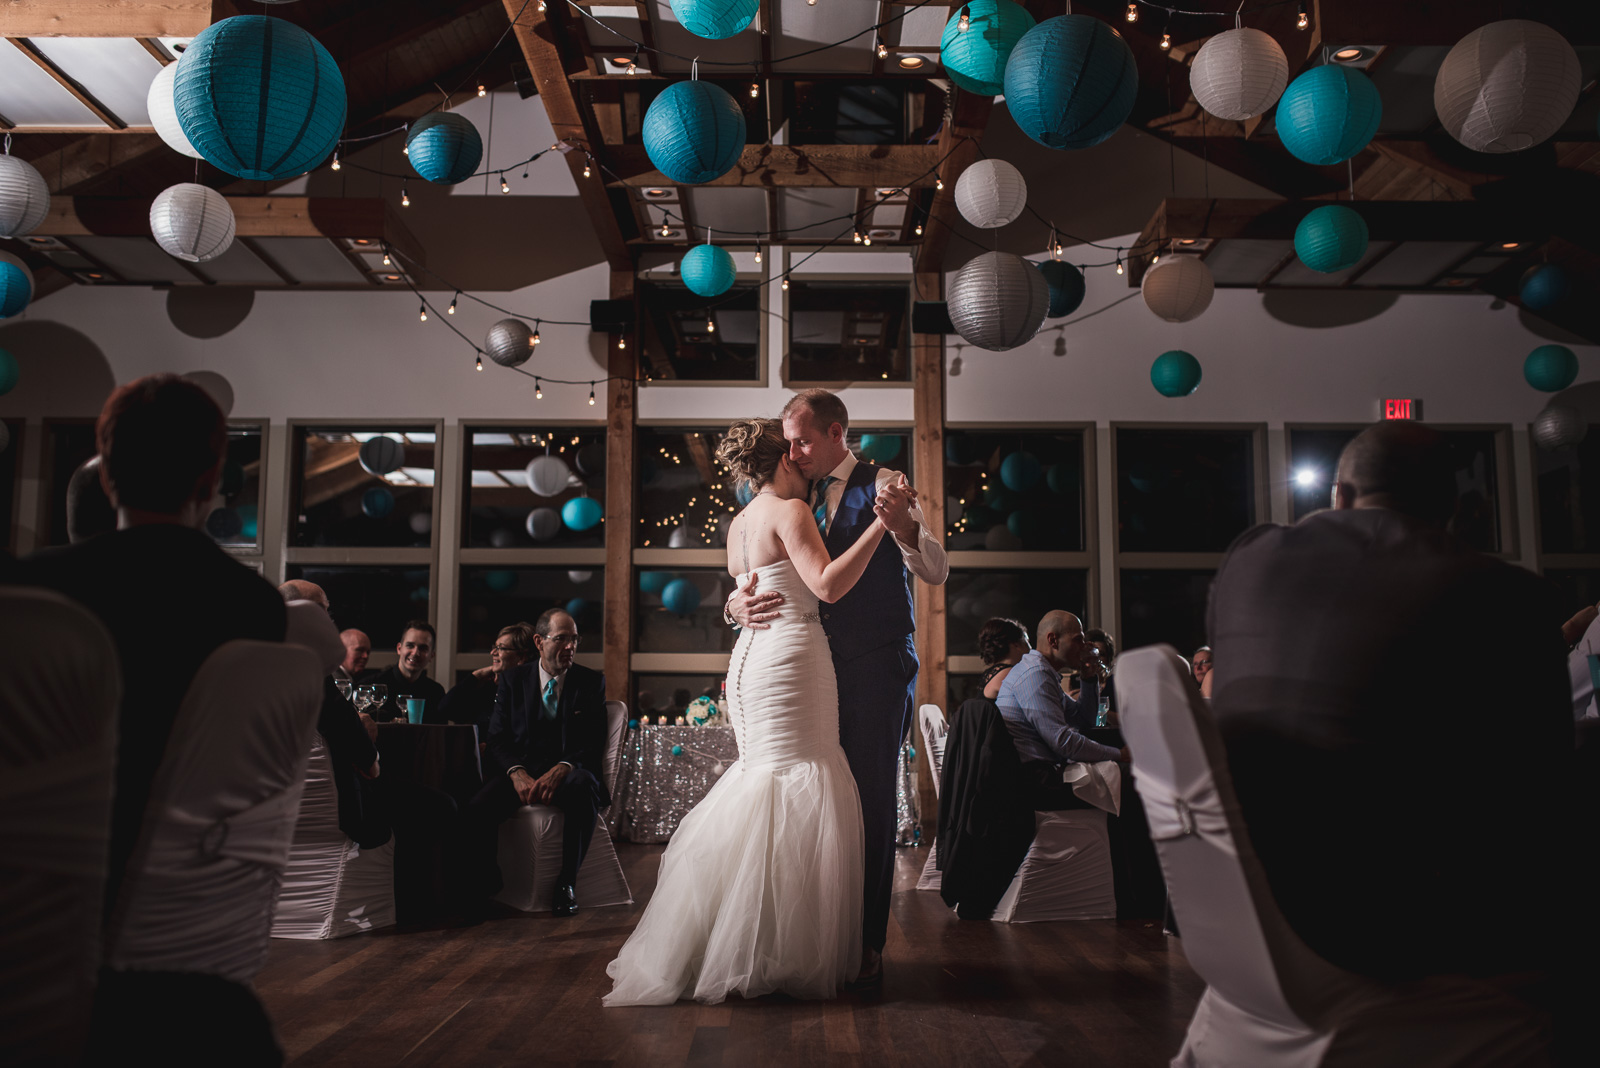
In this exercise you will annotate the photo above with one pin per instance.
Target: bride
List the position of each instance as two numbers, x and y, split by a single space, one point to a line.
760 889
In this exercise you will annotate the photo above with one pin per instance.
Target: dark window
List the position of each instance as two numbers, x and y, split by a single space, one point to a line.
378 600
1014 491
1569 497
237 522
496 597
851 113
340 501
687 336
1184 490
503 511
960 688
849 332
679 610
1580 586
1164 606
69 445
974 597
669 695
8 483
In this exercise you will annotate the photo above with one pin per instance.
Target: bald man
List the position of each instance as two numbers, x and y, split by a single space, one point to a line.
357 648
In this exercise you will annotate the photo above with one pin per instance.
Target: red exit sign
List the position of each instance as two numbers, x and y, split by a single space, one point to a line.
1400 408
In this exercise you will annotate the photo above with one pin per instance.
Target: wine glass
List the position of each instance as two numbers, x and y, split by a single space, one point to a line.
343 686
380 694
364 698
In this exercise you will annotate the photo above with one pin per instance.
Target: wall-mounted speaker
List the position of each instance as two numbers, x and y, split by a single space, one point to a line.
931 317
611 316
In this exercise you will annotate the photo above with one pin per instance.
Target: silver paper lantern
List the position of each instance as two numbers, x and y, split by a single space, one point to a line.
1239 74
192 222
578 578
1559 426
681 537
548 475
163 111
381 455
991 193
543 524
1179 288
24 197
510 343
1507 86
998 301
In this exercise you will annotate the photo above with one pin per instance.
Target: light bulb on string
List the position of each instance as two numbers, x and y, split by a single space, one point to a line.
534 340
1304 21
386 257
966 19
422 314
538 393
336 159
586 171
938 184
785 285
883 49
483 90
541 7
755 90
1119 264
405 197
622 344
591 394
504 185
632 67
1166 42
479 365
1133 13
867 240
1155 259
758 253
858 237
452 309
919 229
711 325
666 231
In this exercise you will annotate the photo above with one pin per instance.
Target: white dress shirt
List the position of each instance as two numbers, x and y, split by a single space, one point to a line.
926 559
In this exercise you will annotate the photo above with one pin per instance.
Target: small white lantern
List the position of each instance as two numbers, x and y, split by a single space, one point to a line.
578 578
681 537
509 344
163 111
1179 288
547 475
543 524
24 197
1560 426
1507 86
998 301
1239 74
991 194
192 222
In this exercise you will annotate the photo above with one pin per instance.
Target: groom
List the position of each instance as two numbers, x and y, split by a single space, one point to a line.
870 628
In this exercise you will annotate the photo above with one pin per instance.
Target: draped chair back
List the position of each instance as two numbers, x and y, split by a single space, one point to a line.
934 728
58 744
616 735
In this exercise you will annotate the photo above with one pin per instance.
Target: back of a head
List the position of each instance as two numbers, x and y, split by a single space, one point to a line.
751 450
1056 621
1404 466
89 511
162 440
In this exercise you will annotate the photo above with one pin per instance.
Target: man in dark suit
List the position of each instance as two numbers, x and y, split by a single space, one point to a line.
1409 818
547 743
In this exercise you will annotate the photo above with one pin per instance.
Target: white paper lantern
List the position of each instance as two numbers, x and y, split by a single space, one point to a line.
543 524
192 222
991 193
380 455
681 538
510 343
163 111
420 522
547 475
24 197
1507 86
998 301
1560 426
1239 74
578 578
1179 288
999 539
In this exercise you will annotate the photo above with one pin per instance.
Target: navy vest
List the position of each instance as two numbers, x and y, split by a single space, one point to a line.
877 610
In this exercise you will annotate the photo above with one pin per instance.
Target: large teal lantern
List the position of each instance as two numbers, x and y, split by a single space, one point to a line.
259 98
880 448
10 372
444 147
1544 287
715 19
1071 82
681 597
707 270
1066 287
1551 368
1175 374
1021 471
1331 238
1328 114
975 57
581 513
16 285
693 132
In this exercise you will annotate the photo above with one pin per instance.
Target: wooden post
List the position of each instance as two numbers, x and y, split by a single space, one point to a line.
927 376
621 434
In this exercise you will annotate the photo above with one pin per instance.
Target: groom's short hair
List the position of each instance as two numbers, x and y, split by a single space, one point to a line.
826 407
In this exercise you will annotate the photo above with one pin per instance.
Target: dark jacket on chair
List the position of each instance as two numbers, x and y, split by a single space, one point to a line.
519 735
350 751
985 820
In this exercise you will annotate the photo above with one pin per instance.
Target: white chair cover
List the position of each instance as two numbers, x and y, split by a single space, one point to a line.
332 887
1269 1000
201 885
530 845
934 728
1067 874
58 746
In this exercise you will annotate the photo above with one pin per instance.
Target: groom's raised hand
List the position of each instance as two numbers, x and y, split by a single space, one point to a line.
752 609
894 505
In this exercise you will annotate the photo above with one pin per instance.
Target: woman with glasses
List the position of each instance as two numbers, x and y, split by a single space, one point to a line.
472 701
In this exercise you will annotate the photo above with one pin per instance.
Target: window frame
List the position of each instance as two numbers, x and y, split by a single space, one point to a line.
795 255
661 272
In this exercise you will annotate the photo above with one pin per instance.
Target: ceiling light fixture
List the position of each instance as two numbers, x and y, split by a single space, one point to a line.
1510 245
911 62
1348 55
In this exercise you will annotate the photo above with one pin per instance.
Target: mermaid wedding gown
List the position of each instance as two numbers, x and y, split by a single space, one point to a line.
760 888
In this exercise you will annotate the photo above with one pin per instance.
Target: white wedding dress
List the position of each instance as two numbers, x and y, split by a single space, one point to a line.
760 888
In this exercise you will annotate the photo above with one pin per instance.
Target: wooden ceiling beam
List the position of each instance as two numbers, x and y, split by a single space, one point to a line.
798 166
104 18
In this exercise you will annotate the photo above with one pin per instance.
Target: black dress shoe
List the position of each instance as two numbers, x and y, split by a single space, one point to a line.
566 903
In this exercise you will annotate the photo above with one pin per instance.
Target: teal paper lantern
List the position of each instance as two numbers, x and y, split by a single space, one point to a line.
259 98
581 513
1021 471
1544 287
1328 114
633 724
681 597
715 20
1331 238
576 607
693 132
16 285
975 58
677 750
1071 82
500 581
1551 368
377 503
880 448
654 582
444 147
1066 287
250 517
10 371
1025 524
1061 479
1175 374
707 270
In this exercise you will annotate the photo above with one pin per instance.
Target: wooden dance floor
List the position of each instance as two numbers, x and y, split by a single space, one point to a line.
526 989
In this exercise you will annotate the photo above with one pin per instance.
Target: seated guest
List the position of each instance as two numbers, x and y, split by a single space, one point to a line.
547 742
1001 644
1106 646
166 592
89 511
1362 756
1045 723
472 701
357 648
409 677
1200 664
1583 667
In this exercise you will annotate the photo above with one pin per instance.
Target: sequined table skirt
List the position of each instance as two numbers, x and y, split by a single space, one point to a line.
657 786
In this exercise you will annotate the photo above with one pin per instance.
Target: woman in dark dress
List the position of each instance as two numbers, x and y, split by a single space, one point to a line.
1001 643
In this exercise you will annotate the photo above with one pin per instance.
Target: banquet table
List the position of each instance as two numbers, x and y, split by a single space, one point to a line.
441 757
656 787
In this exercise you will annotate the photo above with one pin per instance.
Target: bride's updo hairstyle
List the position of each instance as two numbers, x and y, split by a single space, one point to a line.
751 449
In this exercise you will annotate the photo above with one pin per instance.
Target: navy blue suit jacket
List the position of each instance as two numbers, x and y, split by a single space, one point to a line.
580 731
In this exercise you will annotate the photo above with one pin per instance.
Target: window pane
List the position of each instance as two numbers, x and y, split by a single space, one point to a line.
493 598
1035 503
1569 497
1580 585
378 600
237 522
341 501
859 113
1164 606
973 597
849 331
960 688
679 341
680 611
69 444
8 481
1183 490
669 695
505 512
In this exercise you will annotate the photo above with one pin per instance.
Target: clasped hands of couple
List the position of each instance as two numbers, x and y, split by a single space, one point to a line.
755 611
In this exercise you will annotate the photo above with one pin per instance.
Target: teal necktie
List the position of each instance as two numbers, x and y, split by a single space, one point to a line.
821 509
550 699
